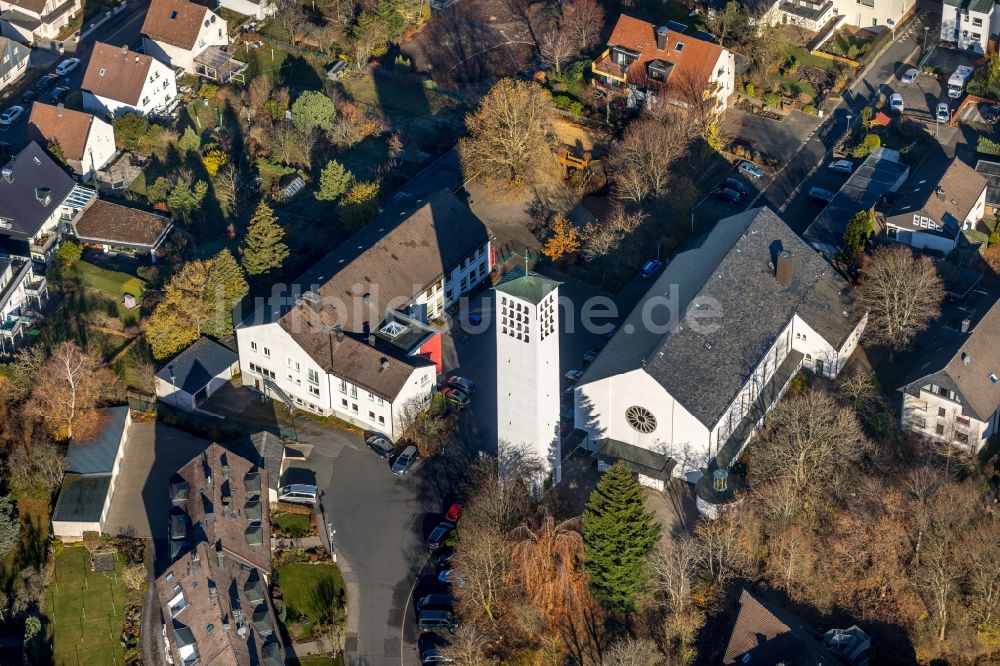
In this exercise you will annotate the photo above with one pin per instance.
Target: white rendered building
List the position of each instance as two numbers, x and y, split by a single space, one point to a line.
527 307
119 80
711 347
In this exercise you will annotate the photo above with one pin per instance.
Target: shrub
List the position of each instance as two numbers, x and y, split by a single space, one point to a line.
808 108
214 159
69 253
994 238
988 146
750 89
208 90
359 205
567 103
129 129
871 143
772 99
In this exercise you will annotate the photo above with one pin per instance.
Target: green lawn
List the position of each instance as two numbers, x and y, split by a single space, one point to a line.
85 611
321 661
292 522
803 57
311 589
112 284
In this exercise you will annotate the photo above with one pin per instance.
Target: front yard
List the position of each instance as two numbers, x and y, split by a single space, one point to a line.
85 610
112 285
313 593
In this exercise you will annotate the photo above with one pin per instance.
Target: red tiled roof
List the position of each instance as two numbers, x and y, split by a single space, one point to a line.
70 129
694 63
176 22
116 73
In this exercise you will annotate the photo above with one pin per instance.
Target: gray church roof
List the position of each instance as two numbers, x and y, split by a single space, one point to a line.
730 273
526 285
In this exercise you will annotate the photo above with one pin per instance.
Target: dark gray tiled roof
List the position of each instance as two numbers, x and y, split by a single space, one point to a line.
12 54
81 498
264 449
32 170
97 454
730 269
946 192
194 367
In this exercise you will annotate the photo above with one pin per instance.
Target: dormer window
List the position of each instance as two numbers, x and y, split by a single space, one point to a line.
173 15
101 73
679 47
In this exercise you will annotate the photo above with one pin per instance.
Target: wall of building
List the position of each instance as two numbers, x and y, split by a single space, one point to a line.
879 14
71 530
725 75
816 348
171 55
13 74
922 414
968 30
100 149
158 92
247 8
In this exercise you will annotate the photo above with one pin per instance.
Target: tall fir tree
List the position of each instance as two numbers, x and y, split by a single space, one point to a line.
618 535
333 181
227 287
263 249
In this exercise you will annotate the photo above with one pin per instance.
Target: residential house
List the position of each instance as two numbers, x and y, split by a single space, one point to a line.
118 80
213 589
954 397
21 291
765 633
259 9
933 208
36 198
353 337
121 230
808 14
991 172
873 13
710 349
190 37
85 142
13 61
31 21
193 375
880 174
91 474
968 24
644 60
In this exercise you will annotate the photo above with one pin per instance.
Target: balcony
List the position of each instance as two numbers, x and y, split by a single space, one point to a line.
43 244
606 67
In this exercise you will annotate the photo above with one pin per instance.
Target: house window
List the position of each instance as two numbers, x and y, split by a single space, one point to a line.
939 429
313 376
354 393
343 386
941 411
253 346
977 22
961 437
314 390
354 407
381 420
267 352
145 100
371 415
343 401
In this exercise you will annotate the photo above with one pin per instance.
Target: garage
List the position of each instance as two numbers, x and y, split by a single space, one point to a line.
195 374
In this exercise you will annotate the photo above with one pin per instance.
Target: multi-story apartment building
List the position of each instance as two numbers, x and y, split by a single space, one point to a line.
709 350
36 199
643 60
954 397
353 336
968 24
118 80
527 333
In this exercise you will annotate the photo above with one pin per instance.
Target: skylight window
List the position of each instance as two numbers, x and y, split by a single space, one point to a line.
993 378
393 328
679 47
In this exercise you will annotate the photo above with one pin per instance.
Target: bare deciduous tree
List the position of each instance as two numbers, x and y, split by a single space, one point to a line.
509 134
557 47
640 163
633 652
673 567
468 646
583 19
601 238
482 559
227 185
903 294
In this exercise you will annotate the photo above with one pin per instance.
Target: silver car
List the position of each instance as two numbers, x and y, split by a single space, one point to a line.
404 460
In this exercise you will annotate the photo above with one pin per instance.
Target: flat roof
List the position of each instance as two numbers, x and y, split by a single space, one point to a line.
81 498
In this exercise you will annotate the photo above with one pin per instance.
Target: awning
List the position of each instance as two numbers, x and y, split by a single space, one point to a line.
639 460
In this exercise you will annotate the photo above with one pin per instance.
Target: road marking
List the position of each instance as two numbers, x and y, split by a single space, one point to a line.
406 607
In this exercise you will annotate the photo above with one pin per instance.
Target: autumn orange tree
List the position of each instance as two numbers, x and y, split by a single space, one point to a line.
67 391
565 239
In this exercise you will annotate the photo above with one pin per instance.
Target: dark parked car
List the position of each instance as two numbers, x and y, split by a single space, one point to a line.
736 185
28 97
431 648
726 195
456 397
650 268
46 82
437 619
404 460
443 556
381 446
437 536
435 601
989 112
819 194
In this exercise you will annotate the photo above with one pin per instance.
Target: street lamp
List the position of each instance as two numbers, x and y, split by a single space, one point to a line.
173 383
927 29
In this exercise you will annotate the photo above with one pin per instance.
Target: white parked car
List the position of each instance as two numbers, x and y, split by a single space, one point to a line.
841 166
909 76
896 103
10 116
67 66
942 114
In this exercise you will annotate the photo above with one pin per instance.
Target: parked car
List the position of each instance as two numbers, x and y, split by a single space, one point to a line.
28 97
450 577
46 82
466 386
443 556
574 376
439 534
591 356
989 112
382 447
942 114
896 103
453 513
404 460
437 619
909 76
726 195
298 493
841 166
67 66
58 94
819 194
750 169
650 268
736 185
11 115
432 647
458 398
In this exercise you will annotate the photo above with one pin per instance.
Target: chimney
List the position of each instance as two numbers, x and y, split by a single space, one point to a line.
966 359
966 324
661 38
783 269
60 109
371 339
43 195
124 49
940 193
339 331
385 365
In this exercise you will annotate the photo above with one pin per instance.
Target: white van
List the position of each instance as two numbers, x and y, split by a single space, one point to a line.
298 493
956 84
